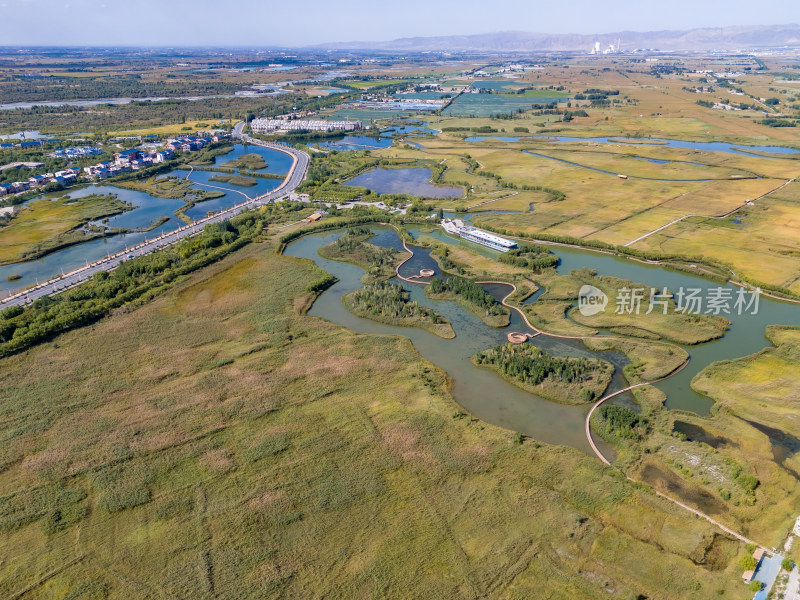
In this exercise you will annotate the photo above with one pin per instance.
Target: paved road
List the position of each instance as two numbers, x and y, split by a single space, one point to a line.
296 174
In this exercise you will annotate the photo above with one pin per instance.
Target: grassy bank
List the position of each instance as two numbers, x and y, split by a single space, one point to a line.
251 162
649 360
45 225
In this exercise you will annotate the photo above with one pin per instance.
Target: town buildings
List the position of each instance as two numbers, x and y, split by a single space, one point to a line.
284 125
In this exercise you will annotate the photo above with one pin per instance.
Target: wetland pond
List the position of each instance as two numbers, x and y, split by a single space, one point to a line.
492 399
413 181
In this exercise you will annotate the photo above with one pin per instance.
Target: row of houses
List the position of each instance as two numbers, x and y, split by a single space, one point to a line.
75 152
62 178
128 160
193 143
263 125
124 161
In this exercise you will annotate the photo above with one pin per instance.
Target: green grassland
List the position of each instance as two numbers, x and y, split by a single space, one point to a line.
562 294
684 328
42 226
484 105
258 459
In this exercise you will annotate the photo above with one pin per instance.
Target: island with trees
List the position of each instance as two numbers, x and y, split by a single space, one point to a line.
561 379
472 296
389 303
379 263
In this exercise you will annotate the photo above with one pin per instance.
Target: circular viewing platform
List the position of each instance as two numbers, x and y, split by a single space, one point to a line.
517 338
427 273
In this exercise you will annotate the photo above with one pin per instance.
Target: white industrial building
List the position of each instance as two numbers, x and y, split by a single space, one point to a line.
479 236
283 125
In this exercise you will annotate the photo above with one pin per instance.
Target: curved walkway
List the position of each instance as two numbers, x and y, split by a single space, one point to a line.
600 402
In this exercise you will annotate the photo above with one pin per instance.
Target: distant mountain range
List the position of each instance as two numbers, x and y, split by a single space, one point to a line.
721 38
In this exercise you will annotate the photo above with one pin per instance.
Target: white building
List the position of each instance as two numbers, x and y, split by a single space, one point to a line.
282 125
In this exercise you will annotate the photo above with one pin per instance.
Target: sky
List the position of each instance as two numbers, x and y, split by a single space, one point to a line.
311 22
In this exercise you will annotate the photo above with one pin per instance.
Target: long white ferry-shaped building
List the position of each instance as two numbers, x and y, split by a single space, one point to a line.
479 236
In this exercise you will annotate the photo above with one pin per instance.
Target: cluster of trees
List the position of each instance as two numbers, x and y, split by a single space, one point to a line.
569 115
531 256
352 243
137 279
134 115
532 365
390 300
469 291
746 481
778 123
622 421
126 86
596 94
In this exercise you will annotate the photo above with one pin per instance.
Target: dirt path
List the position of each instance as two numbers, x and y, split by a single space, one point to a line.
723 216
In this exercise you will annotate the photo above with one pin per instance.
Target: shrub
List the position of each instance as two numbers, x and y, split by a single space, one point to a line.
747 481
747 563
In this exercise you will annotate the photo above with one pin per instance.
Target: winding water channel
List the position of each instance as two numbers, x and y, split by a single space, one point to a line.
484 393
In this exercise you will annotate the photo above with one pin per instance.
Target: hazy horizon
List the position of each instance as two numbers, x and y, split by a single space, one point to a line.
184 23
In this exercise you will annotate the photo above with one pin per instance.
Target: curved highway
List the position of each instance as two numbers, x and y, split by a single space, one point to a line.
294 177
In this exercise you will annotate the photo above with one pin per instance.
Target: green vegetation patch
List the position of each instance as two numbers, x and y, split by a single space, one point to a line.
471 295
622 422
239 180
389 303
649 360
379 263
530 256
566 380
251 162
